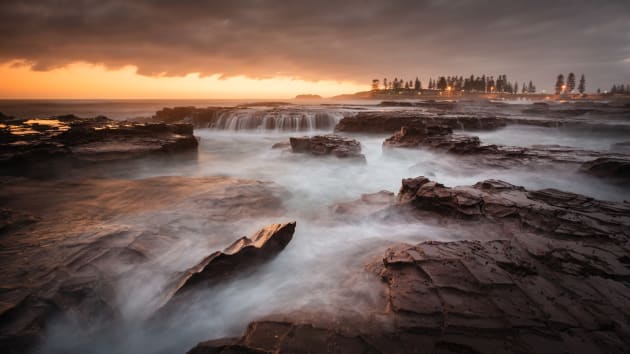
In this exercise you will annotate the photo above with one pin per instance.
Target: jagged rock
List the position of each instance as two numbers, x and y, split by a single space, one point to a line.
547 210
557 281
12 219
442 139
436 137
321 145
242 255
389 122
617 170
100 138
64 253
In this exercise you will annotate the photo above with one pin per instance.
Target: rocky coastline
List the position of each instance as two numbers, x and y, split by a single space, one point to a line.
523 269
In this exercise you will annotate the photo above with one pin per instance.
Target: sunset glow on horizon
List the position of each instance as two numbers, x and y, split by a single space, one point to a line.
88 81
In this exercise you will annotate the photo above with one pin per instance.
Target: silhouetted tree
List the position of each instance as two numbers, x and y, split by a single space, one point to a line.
375 84
417 85
442 83
531 88
582 85
385 83
571 82
559 84
515 87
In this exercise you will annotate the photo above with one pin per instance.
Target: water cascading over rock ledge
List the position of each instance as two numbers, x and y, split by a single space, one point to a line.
248 118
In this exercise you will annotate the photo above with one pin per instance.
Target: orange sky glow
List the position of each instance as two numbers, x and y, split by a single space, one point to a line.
82 81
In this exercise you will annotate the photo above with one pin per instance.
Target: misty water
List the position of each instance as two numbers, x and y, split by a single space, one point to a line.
313 273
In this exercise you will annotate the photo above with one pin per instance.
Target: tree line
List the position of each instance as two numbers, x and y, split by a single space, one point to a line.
481 84
568 87
620 88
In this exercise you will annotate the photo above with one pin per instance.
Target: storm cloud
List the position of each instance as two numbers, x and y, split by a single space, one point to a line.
313 40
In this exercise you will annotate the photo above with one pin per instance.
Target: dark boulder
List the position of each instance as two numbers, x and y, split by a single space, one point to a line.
391 121
614 169
242 255
25 141
322 145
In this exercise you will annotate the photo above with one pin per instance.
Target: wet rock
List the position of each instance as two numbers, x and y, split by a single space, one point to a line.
287 337
616 170
12 219
548 210
435 137
100 138
557 281
389 122
474 153
321 145
66 252
241 256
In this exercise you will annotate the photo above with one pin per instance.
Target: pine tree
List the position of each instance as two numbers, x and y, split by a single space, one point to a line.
582 85
385 83
417 85
530 87
559 84
375 84
441 84
571 82
515 87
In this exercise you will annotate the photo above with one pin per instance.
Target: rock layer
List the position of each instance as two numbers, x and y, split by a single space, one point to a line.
614 169
557 281
391 121
69 254
321 145
242 255
100 138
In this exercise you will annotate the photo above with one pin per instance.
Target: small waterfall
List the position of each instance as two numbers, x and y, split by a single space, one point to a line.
270 120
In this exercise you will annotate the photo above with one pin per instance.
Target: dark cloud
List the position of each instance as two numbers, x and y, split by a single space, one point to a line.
354 40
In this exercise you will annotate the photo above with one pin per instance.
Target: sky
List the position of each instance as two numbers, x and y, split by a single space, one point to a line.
275 49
